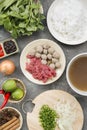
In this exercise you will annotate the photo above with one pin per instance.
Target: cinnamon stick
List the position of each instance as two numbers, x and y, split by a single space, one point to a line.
11 125
8 123
15 127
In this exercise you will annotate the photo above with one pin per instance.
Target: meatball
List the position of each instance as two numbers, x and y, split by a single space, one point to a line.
57 64
39 49
56 55
32 52
38 55
44 62
51 50
49 56
43 56
52 66
54 60
45 51
46 46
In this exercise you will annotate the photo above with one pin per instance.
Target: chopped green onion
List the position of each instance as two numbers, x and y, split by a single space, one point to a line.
47 117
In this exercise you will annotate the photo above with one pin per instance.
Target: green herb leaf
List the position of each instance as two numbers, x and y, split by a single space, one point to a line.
21 17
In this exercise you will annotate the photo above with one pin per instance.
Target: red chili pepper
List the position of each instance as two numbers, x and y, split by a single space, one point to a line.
6 97
2 91
1 51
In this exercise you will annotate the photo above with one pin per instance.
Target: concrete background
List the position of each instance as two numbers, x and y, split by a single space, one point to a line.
34 90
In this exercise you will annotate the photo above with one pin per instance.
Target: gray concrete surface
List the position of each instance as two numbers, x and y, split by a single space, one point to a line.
34 90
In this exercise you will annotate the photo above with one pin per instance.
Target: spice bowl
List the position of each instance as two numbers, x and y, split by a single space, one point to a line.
20 85
11 119
8 47
76 74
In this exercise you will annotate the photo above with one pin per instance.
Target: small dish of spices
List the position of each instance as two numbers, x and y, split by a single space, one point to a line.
10 119
8 47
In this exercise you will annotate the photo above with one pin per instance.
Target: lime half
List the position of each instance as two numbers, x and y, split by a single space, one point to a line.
9 85
17 94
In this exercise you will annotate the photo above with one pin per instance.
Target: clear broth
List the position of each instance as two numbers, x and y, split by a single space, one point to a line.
78 73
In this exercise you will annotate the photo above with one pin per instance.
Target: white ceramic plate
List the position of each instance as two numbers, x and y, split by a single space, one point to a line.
59 36
33 44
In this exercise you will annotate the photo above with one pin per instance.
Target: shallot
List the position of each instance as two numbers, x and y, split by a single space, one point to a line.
7 67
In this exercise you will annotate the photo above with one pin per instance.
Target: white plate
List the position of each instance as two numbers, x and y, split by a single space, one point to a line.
33 44
58 4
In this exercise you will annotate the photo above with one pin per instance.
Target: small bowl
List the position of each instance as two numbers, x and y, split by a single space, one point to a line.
20 116
78 91
20 84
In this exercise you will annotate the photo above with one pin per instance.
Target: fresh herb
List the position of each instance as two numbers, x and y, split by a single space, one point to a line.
47 117
21 17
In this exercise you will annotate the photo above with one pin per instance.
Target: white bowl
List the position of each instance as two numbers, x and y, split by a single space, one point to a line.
33 44
20 116
78 91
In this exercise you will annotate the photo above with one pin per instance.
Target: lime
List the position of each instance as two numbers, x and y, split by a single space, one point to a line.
17 94
9 85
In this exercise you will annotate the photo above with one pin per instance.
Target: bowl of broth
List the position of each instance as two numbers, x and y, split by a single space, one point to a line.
76 74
